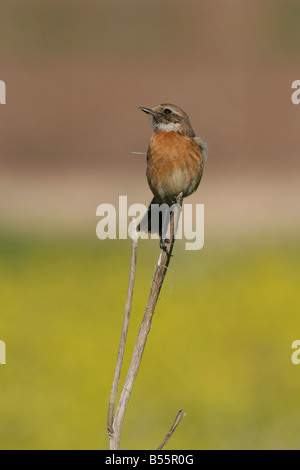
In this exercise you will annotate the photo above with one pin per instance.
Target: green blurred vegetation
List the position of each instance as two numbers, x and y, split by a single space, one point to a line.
43 31
220 346
283 29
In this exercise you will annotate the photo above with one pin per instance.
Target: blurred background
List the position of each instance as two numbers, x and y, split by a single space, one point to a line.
220 346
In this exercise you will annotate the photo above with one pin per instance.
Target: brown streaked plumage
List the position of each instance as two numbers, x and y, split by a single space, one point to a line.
175 156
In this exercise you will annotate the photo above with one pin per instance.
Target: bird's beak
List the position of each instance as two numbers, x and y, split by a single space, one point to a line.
146 110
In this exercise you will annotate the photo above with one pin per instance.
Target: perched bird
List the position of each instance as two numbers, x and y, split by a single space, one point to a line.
175 158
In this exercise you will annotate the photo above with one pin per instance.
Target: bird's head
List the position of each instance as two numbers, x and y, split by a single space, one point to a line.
169 118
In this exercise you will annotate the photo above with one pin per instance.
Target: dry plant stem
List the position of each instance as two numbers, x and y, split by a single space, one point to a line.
121 351
156 285
177 420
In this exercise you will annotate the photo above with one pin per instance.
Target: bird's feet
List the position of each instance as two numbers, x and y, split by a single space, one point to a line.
163 245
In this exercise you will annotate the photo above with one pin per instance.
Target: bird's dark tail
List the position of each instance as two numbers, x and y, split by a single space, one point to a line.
146 224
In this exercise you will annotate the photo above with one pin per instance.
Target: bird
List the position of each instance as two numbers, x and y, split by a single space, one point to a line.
175 159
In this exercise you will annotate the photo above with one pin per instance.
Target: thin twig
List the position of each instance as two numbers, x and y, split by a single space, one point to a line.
157 281
177 420
116 379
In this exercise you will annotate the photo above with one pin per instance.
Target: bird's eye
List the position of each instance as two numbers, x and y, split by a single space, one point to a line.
167 111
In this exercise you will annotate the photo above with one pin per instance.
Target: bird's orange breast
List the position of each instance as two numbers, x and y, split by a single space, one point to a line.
174 165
